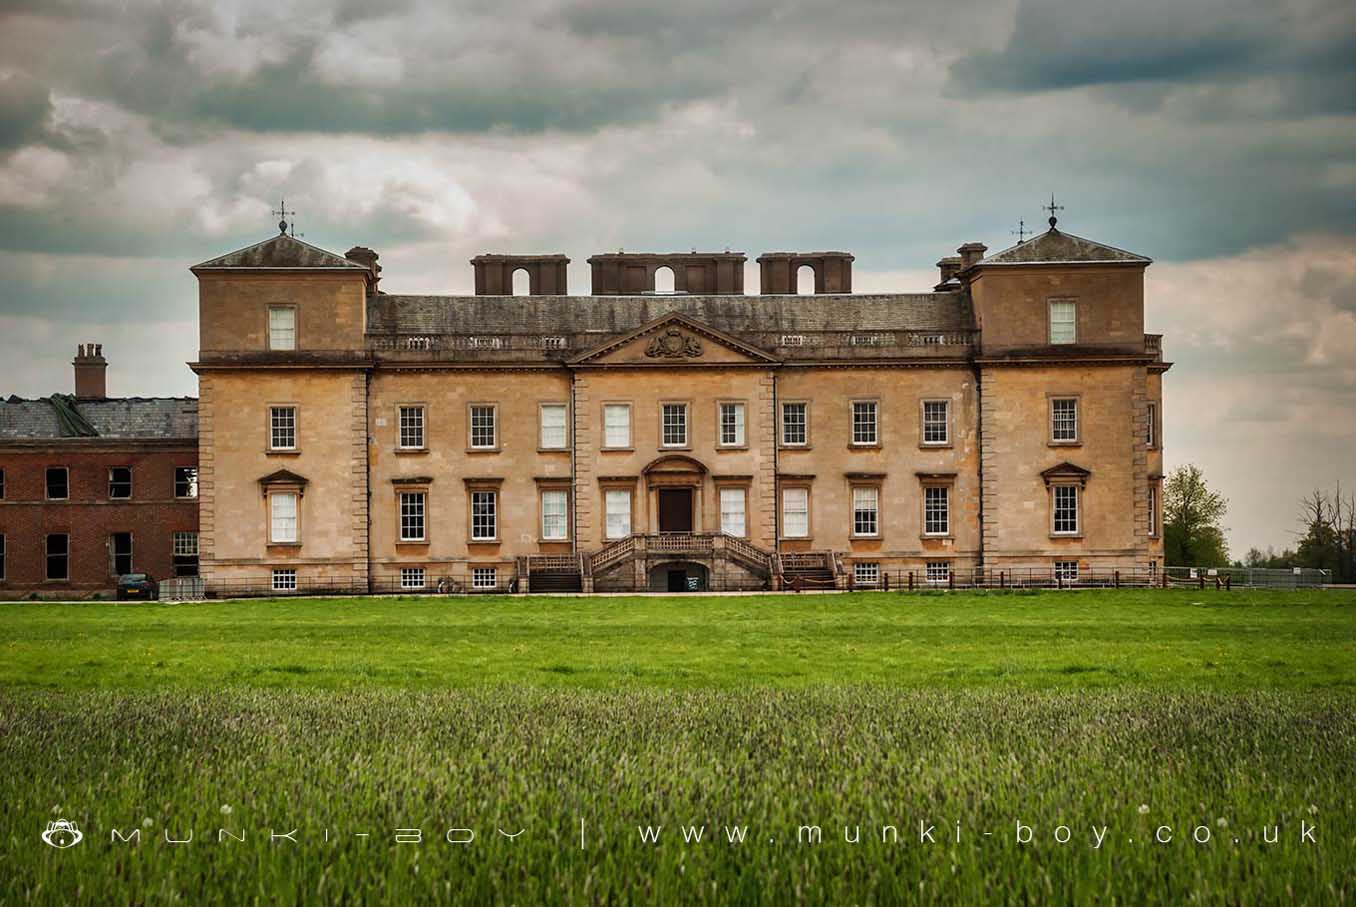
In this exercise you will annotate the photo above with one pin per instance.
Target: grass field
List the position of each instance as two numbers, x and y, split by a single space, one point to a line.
1115 715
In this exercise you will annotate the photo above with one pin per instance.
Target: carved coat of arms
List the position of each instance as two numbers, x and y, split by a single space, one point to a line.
673 344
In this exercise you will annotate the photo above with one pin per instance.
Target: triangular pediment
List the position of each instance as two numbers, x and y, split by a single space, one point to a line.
278 253
283 477
1057 247
675 339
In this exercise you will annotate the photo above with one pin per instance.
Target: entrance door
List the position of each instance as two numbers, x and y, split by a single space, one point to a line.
677 580
675 510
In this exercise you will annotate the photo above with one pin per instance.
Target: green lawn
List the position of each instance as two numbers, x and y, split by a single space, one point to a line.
1173 640
1115 714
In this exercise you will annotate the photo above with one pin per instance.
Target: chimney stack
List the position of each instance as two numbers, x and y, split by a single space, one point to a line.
91 372
949 268
367 258
970 253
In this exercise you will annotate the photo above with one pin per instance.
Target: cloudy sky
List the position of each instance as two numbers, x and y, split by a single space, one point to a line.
1216 137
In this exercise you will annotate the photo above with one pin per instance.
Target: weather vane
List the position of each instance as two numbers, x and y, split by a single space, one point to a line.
1021 232
282 213
1052 208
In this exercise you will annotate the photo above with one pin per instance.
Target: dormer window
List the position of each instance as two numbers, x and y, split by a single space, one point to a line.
1063 321
282 327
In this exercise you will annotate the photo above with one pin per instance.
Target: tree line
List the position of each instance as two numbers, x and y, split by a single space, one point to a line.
1194 537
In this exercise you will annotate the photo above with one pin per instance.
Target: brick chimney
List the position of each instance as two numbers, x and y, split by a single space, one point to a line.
970 253
368 259
91 368
948 267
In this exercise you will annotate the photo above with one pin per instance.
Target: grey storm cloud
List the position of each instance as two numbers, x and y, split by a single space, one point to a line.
25 106
1308 49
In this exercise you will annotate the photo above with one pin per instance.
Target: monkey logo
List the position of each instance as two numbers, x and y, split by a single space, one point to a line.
62 834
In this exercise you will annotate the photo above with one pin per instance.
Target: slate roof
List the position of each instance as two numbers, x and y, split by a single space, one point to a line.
604 315
1056 246
281 251
125 418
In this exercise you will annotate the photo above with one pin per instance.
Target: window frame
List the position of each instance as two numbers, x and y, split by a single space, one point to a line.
1065 570
113 553
192 484
1055 489
471 445
288 577
853 530
943 569
742 492
472 494
478 572
931 488
407 574
2 483
1077 439
1151 441
741 425
285 307
686 408
1152 503
415 496
630 512
542 494
177 554
781 504
630 426
401 410
923 422
860 567
272 428
564 407
47 556
295 495
47 483
1051 322
113 482
874 404
802 444
4 554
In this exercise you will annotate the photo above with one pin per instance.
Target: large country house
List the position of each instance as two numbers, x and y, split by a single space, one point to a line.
668 431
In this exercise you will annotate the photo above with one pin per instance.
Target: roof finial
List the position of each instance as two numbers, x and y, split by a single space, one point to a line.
1052 208
1021 232
282 213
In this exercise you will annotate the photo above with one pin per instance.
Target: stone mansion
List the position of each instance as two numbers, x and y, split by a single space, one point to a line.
643 437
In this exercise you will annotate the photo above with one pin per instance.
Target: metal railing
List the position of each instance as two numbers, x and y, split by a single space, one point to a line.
1252 577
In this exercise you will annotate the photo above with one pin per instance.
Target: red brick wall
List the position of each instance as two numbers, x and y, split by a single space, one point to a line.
152 514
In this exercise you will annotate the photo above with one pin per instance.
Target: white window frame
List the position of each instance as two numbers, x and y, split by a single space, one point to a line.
282 337
47 484
937 573
114 554
734 424
945 424
1063 314
111 482
1056 423
282 418
484 578
613 515
866 573
490 497
610 426
192 473
734 520
801 492
563 497
865 430
411 427
274 518
1055 494
47 556
803 424
476 412
412 509
185 543
1151 438
936 519
1153 509
546 434
865 511
680 411
284 579
413 578
1066 571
